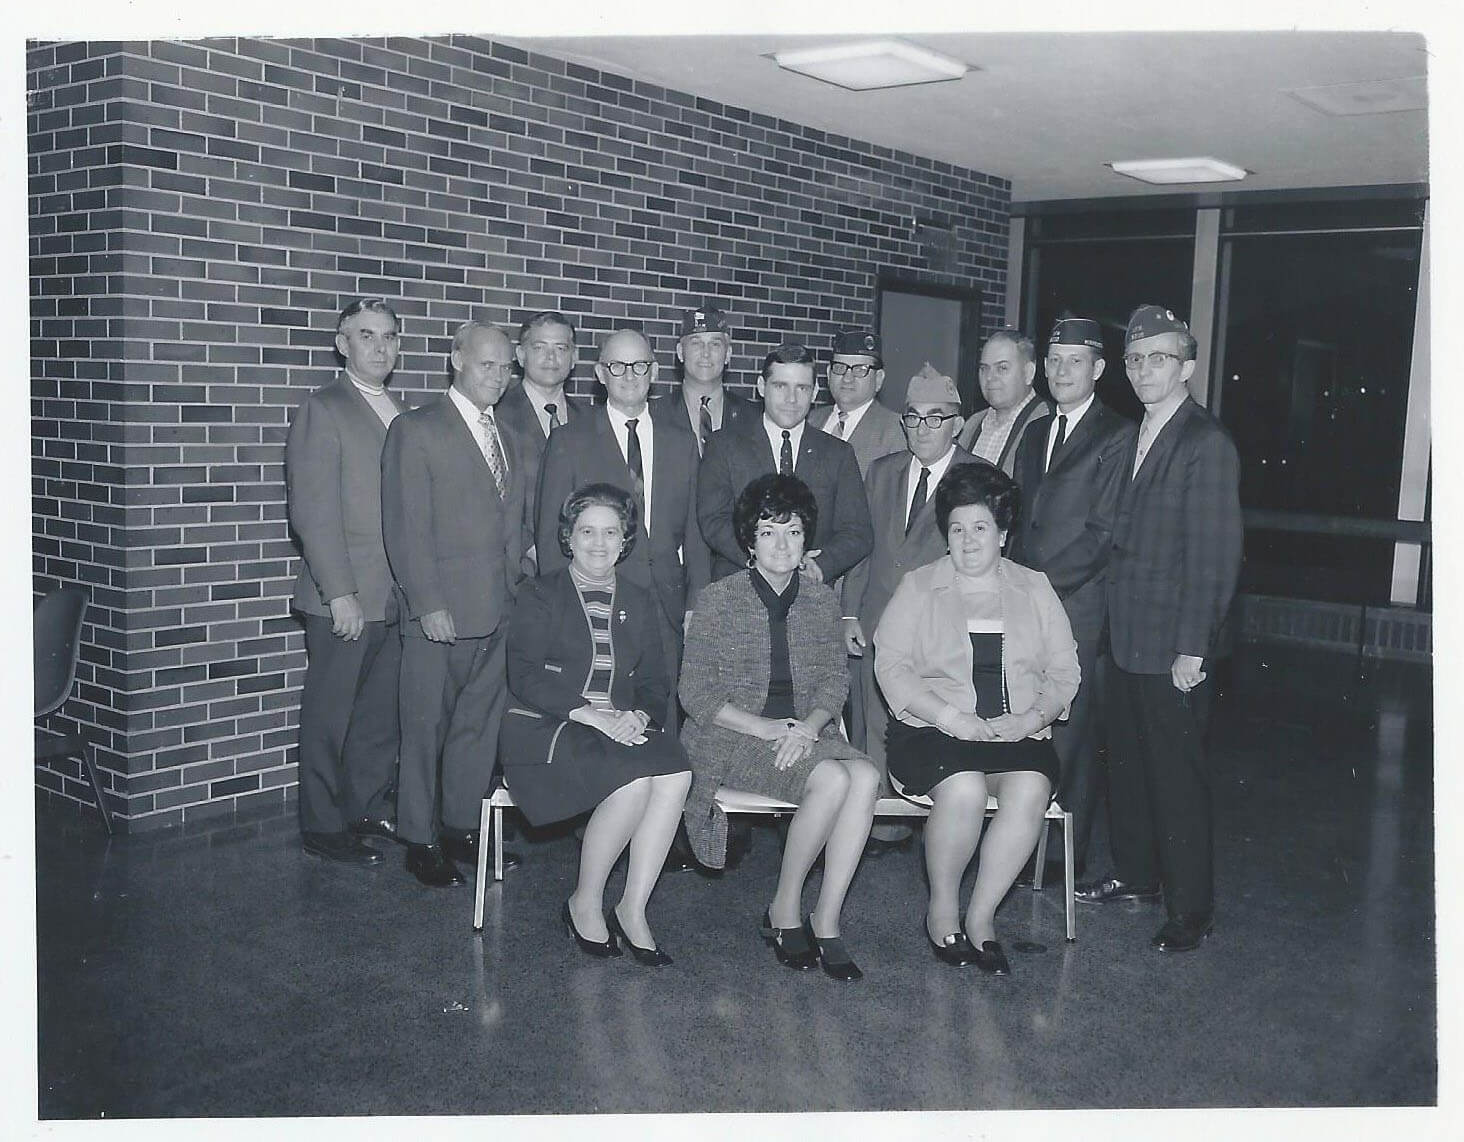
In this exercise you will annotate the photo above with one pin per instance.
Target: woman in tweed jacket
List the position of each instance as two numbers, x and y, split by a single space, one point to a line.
763 678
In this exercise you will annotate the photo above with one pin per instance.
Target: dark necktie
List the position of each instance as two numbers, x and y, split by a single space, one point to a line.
785 456
705 419
922 489
843 423
637 468
1058 439
553 410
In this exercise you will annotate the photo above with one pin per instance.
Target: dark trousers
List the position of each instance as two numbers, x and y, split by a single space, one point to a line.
1076 743
1159 786
348 725
452 701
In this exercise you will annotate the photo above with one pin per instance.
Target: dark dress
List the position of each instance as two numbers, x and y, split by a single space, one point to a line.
921 757
568 646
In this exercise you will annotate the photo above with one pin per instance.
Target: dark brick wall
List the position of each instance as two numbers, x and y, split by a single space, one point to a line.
200 211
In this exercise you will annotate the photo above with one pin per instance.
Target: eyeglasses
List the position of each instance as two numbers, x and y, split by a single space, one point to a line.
839 368
617 368
1156 359
931 420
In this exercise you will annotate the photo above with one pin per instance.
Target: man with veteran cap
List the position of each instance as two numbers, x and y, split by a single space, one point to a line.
1171 579
703 405
901 492
1008 368
855 377
1071 469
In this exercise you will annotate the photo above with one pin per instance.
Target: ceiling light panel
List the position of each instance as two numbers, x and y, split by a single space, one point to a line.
871 64
1375 97
1172 172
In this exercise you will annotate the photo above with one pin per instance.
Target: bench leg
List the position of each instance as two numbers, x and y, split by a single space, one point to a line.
497 842
1041 859
96 784
480 885
1069 877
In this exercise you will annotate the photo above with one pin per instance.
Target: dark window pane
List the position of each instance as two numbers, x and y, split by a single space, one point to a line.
1349 215
1332 569
1111 224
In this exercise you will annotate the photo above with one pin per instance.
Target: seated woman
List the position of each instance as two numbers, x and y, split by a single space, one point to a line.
586 677
976 660
762 680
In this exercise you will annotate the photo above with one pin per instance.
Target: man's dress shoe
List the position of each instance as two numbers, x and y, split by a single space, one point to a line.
991 959
1112 889
383 827
340 847
464 847
429 864
1184 932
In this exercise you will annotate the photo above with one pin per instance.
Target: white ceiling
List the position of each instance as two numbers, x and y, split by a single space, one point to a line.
1048 110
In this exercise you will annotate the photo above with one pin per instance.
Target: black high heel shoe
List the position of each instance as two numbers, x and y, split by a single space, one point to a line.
832 956
991 959
789 944
649 957
593 948
955 949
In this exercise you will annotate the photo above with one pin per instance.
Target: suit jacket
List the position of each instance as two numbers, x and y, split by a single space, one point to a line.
453 544
670 410
735 457
1065 528
517 418
1177 537
877 434
1035 409
867 588
333 477
671 562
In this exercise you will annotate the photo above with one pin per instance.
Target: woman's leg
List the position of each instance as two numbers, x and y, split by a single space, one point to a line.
951 833
606 835
1021 801
846 844
649 844
808 832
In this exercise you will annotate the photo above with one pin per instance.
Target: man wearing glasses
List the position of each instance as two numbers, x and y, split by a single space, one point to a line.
1071 469
1008 368
1171 578
901 492
703 405
856 374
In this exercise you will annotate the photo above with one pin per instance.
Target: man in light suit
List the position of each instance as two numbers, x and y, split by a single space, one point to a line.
348 713
1177 536
1071 470
781 441
1007 371
901 492
455 517
855 376
703 405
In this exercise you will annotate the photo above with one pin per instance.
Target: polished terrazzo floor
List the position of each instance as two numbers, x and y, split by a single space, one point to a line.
219 971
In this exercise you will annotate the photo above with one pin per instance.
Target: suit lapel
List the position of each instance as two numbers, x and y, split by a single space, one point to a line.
363 412
1163 444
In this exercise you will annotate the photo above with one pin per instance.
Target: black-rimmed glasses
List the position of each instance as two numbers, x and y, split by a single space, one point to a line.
931 420
617 368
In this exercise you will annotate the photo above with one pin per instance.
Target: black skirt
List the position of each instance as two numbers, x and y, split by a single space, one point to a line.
921 757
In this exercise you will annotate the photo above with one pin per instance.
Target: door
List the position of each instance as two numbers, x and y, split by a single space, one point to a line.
921 323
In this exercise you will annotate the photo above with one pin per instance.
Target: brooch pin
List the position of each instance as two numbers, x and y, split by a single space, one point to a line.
621 616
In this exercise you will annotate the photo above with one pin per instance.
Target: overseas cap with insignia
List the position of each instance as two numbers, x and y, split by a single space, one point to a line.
856 343
931 387
1077 331
707 319
1150 321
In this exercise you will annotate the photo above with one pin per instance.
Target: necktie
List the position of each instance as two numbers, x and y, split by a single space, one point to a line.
785 456
493 451
553 410
633 450
1058 439
705 419
1143 446
843 421
922 489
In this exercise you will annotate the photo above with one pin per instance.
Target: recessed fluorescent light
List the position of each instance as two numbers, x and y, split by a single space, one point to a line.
1372 97
1167 172
870 64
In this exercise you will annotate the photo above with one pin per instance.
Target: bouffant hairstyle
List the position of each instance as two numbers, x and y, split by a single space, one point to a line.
618 500
777 498
982 484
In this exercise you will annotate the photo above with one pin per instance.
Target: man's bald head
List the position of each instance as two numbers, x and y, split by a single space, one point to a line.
626 369
482 363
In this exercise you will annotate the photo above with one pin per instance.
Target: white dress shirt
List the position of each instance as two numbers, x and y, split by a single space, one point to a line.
912 479
775 439
851 420
1072 425
620 426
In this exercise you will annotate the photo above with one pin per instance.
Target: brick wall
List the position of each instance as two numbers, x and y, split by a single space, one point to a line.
200 211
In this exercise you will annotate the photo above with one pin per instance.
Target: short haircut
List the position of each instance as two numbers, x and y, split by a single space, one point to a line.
467 329
1188 346
967 484
788 353
367 305
545 317
773 497
1024 345
599 496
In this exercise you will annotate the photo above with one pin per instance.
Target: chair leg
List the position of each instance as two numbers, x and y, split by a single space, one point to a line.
498 842
479 887
1041 859
96 784
1068 870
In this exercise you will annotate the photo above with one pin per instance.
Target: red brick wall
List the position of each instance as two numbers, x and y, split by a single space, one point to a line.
200 211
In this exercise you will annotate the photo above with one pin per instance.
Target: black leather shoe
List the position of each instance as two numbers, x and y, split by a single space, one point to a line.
648 957
340 847
876 847
954 949
1184 932
383 827
790 945
991 959
832 956
464 847
1107 891
595 949
429 864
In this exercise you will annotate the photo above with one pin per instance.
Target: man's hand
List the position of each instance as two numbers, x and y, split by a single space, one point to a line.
347 620
811 569
1185 672
854 642
437 625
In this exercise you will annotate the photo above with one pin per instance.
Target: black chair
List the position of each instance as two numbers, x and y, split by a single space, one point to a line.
57 628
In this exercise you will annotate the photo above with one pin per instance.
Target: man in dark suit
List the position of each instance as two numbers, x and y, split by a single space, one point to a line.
781 441
901 492
703 405
454 511
348 712
1171 578
1071 468
856 374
